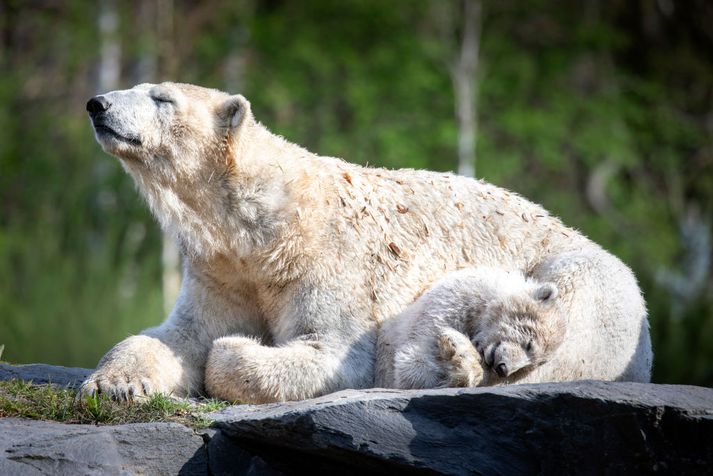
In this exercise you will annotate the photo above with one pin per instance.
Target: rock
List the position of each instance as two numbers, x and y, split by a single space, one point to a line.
575 427
30 447
38 447
43 374
226 457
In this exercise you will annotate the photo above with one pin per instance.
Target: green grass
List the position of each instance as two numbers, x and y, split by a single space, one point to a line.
47 402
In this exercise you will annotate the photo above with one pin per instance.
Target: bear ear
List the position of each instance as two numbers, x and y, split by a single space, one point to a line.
233 111
545 293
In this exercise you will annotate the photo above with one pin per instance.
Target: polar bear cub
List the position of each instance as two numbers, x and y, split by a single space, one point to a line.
514 323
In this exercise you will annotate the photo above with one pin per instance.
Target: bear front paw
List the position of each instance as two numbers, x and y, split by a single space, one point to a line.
118 385
234 370
136 367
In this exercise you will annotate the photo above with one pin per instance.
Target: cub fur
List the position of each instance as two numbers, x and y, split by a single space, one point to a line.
292 260
514 322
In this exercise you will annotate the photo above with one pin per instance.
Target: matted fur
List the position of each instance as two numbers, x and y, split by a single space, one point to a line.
292 260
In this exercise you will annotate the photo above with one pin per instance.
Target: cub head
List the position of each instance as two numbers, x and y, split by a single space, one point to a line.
520 331
167 128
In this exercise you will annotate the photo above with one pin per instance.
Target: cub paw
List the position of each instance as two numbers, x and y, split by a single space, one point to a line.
460 360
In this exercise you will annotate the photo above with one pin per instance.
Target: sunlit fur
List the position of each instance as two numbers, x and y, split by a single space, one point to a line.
514 321
292 260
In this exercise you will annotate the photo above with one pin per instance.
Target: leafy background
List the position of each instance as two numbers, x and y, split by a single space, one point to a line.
601 110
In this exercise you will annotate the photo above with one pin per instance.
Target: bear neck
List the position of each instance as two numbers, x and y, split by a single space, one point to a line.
235 215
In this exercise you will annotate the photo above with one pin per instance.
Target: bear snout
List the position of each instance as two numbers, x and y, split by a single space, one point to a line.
507 358
97 105
502 370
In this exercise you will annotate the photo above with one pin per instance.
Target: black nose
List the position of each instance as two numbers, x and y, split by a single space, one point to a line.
97 104
502 370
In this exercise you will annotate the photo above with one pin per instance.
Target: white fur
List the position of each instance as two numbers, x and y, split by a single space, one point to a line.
464 302
292 260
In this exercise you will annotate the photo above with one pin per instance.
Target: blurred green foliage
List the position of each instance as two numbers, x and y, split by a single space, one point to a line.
600 110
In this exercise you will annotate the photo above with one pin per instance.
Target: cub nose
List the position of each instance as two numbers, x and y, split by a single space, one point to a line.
502 370
97 104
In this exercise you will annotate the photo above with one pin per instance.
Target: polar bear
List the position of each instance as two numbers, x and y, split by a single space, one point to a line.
517 317
292 261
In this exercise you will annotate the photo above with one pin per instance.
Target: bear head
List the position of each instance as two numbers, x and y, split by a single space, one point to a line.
519 331
183 146
168 128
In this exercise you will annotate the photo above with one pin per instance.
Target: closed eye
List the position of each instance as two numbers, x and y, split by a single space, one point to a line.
162 99
162 96
529 346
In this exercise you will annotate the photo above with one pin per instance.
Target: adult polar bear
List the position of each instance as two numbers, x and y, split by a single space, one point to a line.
292 260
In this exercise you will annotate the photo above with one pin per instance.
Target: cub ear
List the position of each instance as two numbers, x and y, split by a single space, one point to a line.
545 293
233 111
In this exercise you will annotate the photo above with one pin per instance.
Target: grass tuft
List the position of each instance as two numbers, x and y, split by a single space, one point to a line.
47 402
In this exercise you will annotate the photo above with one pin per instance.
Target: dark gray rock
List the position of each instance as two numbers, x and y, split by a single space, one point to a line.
571 428
30 447
43 374
38 447
226 457
560 428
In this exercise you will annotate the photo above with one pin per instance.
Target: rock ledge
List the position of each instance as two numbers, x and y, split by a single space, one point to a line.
571 428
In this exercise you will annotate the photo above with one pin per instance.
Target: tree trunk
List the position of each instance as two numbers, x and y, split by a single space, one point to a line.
464 76
145 70
108 76
110 51
168 65
236 61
